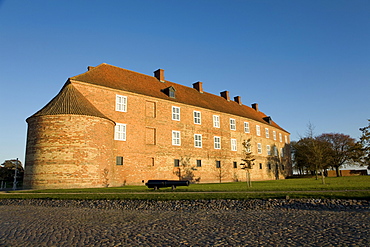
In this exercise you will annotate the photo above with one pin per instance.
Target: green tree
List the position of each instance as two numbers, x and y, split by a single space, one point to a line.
365 142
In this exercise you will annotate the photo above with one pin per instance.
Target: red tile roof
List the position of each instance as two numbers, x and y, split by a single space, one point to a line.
114 77
70 101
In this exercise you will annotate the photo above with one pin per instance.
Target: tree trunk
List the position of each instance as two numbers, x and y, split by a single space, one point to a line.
249 182
323 177
337 171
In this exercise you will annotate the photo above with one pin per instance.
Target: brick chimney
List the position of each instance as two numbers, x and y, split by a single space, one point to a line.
225 94
90 68
238 100
255 106
159 74
198 86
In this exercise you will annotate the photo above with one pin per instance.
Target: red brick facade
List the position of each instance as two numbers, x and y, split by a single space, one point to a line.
77 149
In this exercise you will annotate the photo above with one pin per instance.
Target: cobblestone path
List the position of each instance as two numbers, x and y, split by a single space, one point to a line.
35 225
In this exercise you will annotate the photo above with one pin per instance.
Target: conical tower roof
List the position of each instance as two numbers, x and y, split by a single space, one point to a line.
69 101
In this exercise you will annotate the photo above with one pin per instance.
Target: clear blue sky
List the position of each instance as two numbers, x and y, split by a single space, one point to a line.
301 61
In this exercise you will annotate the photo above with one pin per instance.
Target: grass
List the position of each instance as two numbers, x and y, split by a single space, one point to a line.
335 188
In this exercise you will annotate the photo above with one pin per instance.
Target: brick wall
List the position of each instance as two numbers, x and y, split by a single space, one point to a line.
68 151
148 152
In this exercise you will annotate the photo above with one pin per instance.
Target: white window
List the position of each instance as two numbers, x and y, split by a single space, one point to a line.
259 148
232 124
274 135
286 139
121 103
267 133
176 140
175 113
198 140
281 152
217 142
268 150
197 117
233 145
280 137
258 130
275 151
246 127
120 132
216 121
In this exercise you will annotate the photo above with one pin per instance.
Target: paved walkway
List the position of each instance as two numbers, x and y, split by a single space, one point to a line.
210 224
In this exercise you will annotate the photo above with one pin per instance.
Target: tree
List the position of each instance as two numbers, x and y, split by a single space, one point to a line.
365 142
7 170
311 153
343 149
248 160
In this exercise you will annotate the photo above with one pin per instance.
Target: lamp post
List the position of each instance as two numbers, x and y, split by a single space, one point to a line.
15 175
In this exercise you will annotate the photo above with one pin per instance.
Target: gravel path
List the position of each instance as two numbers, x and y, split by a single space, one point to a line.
184 223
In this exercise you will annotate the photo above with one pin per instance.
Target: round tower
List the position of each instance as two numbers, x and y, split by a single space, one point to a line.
69 144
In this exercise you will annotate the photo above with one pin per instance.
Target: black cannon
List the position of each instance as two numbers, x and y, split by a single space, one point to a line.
156 184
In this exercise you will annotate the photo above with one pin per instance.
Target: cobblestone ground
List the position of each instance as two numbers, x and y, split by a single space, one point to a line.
35 224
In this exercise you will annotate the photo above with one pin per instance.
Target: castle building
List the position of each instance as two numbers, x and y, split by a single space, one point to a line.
112 127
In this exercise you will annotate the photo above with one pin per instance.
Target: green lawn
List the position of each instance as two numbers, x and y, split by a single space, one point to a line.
341 187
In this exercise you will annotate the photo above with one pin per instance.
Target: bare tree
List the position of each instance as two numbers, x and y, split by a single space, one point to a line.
343 149
312 154
248 159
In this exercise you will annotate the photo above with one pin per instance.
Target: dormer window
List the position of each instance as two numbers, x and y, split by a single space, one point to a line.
268 120
170 91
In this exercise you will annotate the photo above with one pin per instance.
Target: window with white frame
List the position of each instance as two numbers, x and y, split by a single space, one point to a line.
197 117
197 140
275 151
233 145
280 137
120 132
175 113
267 133
268 150
216 121
217 142
281 152
121 103
232 124
274 135
176 140
246 127
286 139
258 130
259 148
